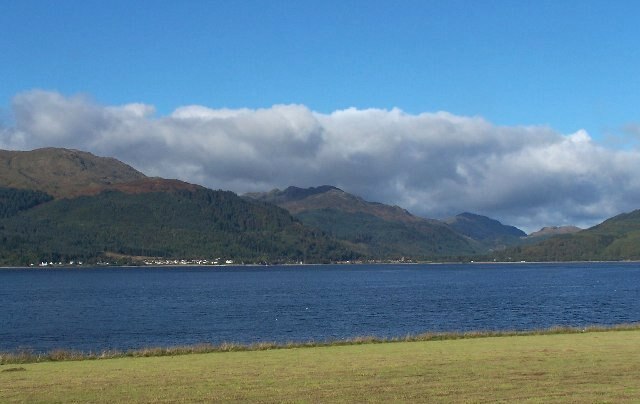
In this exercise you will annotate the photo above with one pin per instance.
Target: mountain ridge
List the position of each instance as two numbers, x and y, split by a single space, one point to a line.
489 232
297 200
374 228
61 205
50 197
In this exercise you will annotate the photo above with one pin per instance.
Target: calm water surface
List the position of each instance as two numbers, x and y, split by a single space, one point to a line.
124 308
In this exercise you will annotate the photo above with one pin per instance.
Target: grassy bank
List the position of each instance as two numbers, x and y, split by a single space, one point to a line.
27 356
579 367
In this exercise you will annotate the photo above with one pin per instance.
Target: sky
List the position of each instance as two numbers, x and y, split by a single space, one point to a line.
527 112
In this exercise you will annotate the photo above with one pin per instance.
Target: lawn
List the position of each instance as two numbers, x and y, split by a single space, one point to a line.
586 367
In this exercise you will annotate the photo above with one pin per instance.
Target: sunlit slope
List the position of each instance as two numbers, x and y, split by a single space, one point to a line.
62 172
617 238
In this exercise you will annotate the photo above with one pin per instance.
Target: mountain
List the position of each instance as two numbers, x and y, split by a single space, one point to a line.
291 195
104 208
62 205
62 173
297 200
487 231
65 173
617 238
377 230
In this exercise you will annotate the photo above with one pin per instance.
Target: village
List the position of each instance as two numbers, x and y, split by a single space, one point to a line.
147 261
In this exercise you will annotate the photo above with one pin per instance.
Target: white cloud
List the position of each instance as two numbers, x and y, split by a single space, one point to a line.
434 164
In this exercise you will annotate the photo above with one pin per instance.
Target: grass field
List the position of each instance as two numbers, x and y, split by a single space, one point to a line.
585 367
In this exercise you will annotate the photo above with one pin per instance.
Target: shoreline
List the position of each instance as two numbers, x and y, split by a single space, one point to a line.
59 355
94 266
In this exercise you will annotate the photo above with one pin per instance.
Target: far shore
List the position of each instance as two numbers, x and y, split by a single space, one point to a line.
154 266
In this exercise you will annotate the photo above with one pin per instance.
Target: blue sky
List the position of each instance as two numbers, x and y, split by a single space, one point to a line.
566 64
525 111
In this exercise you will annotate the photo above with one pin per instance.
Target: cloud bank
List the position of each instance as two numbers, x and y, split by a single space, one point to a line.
433 164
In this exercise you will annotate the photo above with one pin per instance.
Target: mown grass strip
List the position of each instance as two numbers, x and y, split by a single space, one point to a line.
560 367
27 356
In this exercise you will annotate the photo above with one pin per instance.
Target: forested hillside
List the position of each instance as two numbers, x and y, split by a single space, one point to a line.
181 224
615 239
382 239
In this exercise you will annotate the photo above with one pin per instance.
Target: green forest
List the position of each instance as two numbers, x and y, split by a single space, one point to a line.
13 200
180 224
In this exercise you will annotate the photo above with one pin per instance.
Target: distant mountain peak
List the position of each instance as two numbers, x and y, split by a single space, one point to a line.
297 200
555 230
469 215
484 229
376 229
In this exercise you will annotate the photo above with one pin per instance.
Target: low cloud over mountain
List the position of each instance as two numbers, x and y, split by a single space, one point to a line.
433 164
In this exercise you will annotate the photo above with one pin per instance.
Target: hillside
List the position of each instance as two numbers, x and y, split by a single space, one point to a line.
617 238
377 230
185 224
62 173
58 205
490 232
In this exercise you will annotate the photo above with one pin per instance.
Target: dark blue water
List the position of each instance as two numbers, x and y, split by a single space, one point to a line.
124 308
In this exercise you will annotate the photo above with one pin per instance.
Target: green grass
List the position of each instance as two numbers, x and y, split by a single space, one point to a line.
560 367
56 355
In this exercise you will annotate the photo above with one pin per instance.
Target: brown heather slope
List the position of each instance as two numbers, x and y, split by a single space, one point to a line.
144 186
63 173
